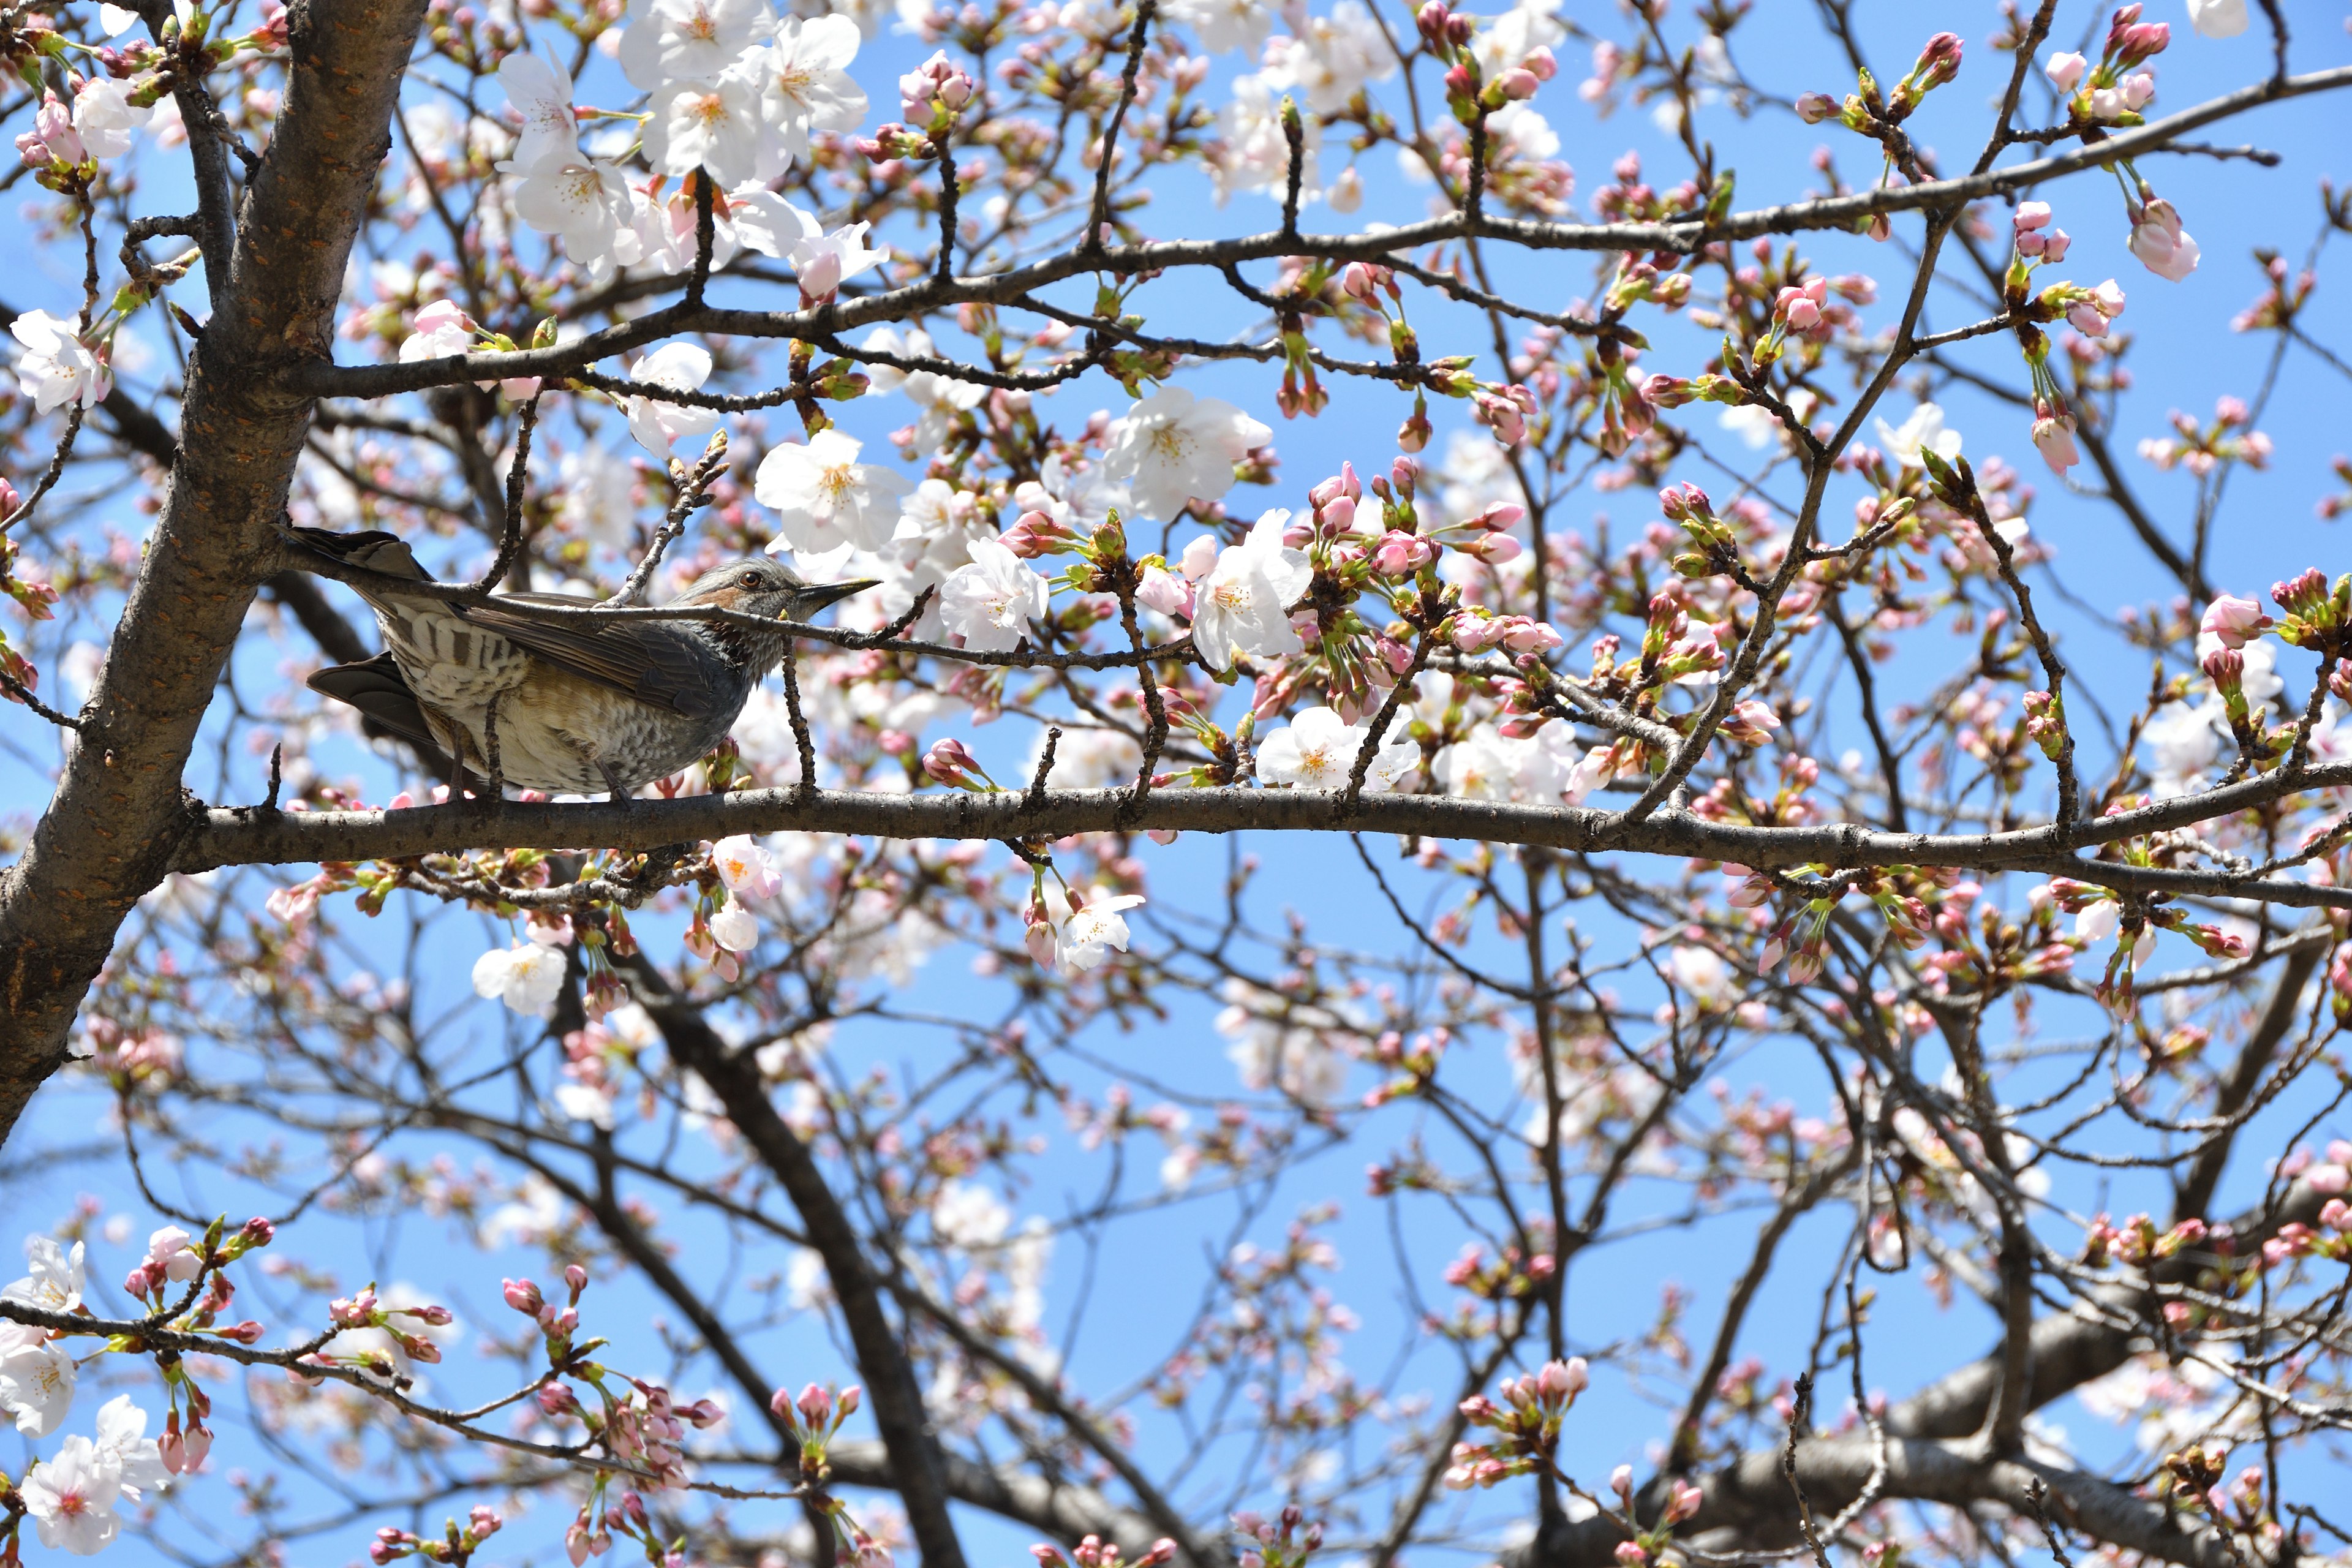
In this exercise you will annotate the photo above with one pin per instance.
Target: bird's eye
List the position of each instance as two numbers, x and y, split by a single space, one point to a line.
749 580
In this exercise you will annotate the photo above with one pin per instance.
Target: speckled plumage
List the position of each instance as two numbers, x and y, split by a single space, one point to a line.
577 710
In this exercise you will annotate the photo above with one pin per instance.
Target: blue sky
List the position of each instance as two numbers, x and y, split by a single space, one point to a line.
1147 1275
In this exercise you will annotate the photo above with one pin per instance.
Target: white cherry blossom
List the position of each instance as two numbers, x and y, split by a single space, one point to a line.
2179 743
540 94
765 222
441 329
583 202
1083 935
2217 18
735 928
71 1498
713 125
56 366
1331 58
671 41
1317 749
825 498
1172 447
1502 42
36 1378
1223 26
938 398
993 601
526 977
827 261
55 1284
138 1459
596 497
1924 430
1252 153
106 118
805 82
1243 606
682 366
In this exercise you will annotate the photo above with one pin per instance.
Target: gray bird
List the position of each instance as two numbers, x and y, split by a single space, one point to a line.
559 705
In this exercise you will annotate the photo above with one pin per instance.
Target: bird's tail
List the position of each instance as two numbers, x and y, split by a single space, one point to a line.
373 549
377 688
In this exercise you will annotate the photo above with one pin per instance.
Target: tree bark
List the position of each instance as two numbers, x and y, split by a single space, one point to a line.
121 812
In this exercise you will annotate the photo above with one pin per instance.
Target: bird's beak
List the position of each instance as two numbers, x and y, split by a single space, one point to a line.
817 596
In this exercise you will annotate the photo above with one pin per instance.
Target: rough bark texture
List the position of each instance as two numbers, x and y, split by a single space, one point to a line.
120 813
240 837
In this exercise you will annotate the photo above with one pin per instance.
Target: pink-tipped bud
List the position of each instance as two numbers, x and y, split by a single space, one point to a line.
1813 108
815 1406
577 1277
2235 621
949 762
523 1296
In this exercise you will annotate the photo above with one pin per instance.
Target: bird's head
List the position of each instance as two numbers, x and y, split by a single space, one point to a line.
766 587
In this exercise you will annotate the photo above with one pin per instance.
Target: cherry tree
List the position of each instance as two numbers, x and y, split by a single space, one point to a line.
1832 1018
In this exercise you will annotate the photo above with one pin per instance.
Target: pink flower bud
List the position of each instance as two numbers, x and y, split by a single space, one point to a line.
523 1296
577 1277
815 1406
2065 70
949 762
2235 621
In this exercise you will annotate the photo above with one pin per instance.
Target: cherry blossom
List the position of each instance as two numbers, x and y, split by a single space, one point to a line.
106 119
36 1378
669 42
1317 749
525 976
825 498
1924 430
540 93
827 261
805 82
1085 932
1173 447
657 426
1225 26
72 1496
992 602
1243 606
2158 241
2217 18
56 367
584 203
55 1283
713 125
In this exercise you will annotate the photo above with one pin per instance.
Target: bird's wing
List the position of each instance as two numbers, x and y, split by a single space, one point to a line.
656 662
376 688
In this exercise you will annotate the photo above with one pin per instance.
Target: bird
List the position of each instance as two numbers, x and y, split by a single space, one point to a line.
555 704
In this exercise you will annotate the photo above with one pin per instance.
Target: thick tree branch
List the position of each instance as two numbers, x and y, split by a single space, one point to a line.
245 835
115 824
897 1401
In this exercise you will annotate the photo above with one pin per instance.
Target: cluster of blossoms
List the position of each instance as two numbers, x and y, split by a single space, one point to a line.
2230 439
75 1497
2115 91
1526 1422
734 96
